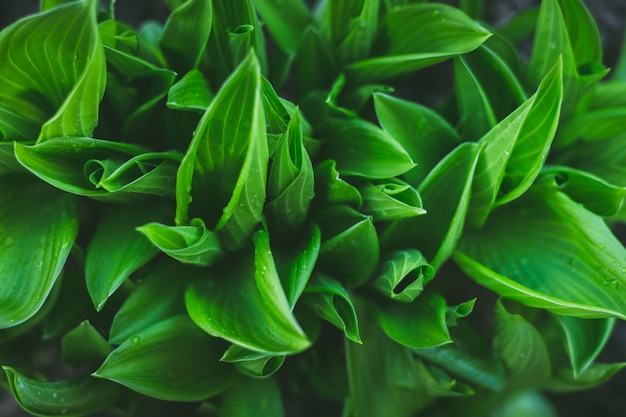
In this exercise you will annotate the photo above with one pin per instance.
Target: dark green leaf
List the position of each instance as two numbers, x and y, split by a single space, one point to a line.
420 324
186 34
173 360
524 404
116 251
84 344
285 21
521 347
350 249
158 297
360 30
424 134
594 375
35 241
332 189
73 398
258 397
256 364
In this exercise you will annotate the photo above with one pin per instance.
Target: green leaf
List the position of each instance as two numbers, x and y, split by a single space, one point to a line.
158 297
331 189
594 375
285 21
115 251
250 307
424 134
420 324
186 34
35 241
350 250
456 358
515 149
472 99
98 168
555 255
384 378
524 404
585 339
403 274
521 347
421 35
8 162
393 200
446 193
255 364
73 398
61 46
362 149
172 360
193 244
258 397
296 262
360 30
330 300
290 186
591 125
594 193
84 344
191 92
227 155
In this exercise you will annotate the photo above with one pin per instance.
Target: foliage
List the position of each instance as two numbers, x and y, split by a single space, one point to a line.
236 209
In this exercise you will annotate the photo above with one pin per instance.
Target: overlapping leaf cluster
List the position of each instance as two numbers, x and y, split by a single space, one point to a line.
236 209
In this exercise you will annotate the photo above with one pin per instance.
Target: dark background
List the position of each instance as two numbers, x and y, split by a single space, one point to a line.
606 400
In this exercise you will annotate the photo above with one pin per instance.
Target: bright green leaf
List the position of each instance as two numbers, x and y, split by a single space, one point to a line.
392 200
248 305
258 397
35 241
403 274
191 92
193 244
84 344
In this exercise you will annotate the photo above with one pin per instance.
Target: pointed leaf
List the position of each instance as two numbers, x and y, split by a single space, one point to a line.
290 183
403 275
521 347
332 189
116 251
585 339
389 201
420 324
446 193
35 241
173 360
255 364
228 155
424 134
421 35
159 296
556 255
84 344
73 398
360 148
186 34
330 300
193 244
191 92
53 71
249 308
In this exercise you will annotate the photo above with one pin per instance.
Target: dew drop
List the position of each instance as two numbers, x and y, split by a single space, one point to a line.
134 340
55 395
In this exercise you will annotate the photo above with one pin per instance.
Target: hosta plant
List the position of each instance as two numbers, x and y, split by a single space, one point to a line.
260 208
